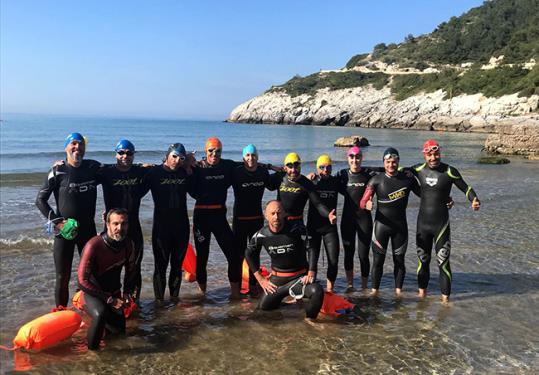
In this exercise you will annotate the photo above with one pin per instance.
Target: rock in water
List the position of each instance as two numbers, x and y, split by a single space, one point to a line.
353 140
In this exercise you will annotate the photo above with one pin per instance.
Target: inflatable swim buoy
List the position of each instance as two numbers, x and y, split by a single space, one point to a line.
245 276
190 264
78 303
47 330
335 305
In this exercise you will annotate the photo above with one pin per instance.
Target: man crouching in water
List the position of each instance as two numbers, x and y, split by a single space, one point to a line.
291 274
99 276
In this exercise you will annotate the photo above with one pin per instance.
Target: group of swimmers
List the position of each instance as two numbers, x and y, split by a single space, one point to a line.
293 247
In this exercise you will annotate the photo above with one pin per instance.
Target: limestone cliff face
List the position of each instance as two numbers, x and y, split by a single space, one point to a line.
368 107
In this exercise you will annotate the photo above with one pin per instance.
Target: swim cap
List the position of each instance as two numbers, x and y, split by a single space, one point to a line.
291 158
124 144
391 153
430 146
74 137
176 149
213 142
250 149
323 160
353 151
70 230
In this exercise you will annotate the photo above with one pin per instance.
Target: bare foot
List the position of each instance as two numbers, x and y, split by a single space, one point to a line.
329 286
350 288
422 293
374 293
202 289
289 300
445 299
398 292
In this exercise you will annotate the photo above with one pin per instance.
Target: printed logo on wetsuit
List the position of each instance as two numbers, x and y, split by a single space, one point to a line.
125 182
172 181
431 181
252 184
216 177
283 249
326 194
287 189
82 187
355 184
401 193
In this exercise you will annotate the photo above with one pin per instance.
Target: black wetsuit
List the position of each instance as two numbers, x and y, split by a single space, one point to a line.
99 278
125 189
433 220
288 252
320 228
211 186
75 192
392 194
170 233
355 220
248 218
295 194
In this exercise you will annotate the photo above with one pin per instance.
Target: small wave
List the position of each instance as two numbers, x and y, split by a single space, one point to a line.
25 241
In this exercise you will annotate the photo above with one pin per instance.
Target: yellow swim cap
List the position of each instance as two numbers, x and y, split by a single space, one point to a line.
323 160
292 158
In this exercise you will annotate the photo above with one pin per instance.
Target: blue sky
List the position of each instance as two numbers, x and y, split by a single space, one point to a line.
186 59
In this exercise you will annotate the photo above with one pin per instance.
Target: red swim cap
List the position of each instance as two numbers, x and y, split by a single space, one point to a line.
430 146
213 142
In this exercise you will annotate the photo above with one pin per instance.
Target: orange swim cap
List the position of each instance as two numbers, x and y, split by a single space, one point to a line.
213 142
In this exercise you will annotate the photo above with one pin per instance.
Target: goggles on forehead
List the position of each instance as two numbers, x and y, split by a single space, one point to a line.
293 165
391 156
434 148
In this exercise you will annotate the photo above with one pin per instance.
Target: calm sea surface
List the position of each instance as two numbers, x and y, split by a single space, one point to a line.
490 325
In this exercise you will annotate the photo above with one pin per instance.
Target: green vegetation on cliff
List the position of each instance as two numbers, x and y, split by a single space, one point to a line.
498 27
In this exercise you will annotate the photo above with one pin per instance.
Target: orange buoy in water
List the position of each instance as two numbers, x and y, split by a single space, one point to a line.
78 300
190 264
47 330
335 305
245 276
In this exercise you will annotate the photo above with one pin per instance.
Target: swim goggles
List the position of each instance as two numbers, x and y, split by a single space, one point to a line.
291 290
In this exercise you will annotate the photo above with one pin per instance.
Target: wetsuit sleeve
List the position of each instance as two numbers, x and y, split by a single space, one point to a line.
252 253
146 182
42 200
274 181
313 254
367 195
461 184
130 269
373 171
314 198
415 185
85 271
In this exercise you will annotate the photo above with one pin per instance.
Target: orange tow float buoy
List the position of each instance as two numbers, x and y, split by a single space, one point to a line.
190 264
335 305
47 330
245 276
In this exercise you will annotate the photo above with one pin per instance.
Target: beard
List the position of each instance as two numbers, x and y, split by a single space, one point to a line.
118 236
75 156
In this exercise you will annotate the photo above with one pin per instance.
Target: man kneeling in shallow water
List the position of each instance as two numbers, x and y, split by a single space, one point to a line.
291 274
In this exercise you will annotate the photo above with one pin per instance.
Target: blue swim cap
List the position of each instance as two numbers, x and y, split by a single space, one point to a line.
74 137
176 148
124 144
249 149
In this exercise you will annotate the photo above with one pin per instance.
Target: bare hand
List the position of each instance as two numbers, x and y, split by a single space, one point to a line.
57 163
60 224
450 203
311 176
309 278
476 204
117 303
332 217
147 165
368 205
267 285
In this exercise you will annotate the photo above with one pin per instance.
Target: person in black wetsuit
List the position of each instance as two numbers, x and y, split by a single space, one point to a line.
292 274
123 187
327 187
99 274
169 184
294 190
213 177
249 182
436 179
355 220
74 185
392 190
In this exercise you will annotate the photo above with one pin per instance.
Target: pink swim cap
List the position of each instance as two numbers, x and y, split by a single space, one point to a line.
353 151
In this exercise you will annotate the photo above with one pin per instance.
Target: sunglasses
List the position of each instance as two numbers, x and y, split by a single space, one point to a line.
176 156
324 167
391 156
216 151
293 165
431 149
354 156
128 153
